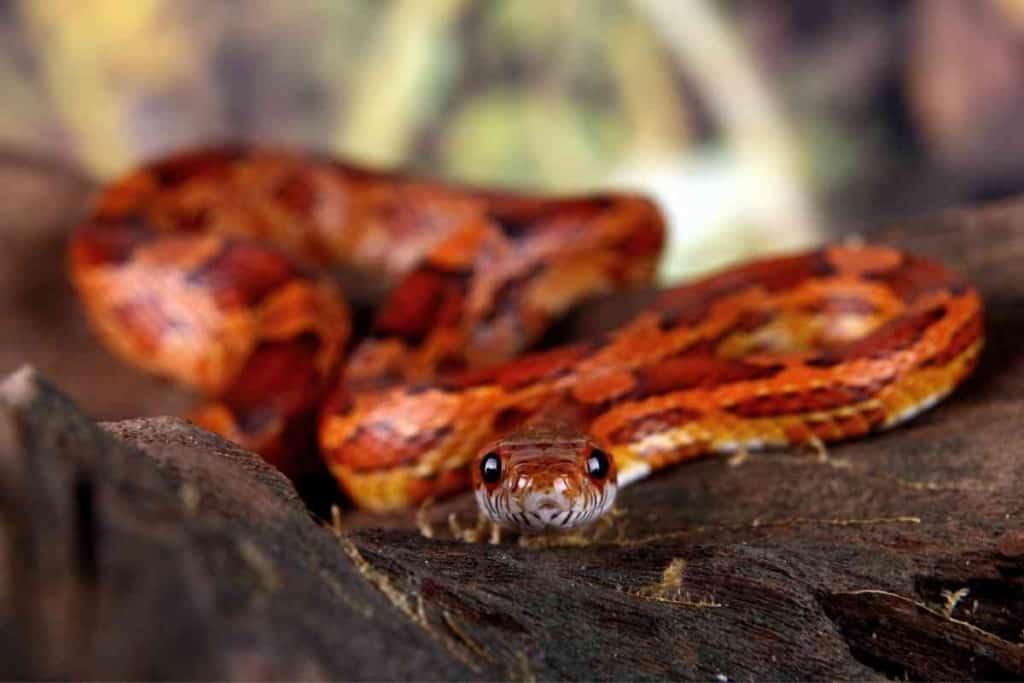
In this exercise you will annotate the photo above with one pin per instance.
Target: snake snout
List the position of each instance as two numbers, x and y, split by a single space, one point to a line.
550 504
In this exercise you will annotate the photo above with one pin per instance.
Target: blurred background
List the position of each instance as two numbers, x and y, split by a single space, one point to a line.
757 124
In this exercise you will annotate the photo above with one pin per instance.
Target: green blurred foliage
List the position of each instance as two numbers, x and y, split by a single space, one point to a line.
757 125
514 92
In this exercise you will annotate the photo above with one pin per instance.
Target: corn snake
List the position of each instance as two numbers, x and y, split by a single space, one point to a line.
210 268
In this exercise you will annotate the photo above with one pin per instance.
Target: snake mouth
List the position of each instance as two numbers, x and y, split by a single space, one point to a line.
551 511
550 504
543 511
547 510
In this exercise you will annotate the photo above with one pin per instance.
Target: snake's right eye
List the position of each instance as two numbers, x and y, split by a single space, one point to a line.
490 468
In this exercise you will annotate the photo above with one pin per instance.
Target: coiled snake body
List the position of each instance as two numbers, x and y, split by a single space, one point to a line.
211 268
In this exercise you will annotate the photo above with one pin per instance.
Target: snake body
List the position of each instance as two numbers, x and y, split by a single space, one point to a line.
211 268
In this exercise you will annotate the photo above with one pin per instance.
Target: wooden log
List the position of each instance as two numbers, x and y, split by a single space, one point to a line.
156 550
150 549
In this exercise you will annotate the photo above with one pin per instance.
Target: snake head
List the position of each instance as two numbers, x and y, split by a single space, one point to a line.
538 480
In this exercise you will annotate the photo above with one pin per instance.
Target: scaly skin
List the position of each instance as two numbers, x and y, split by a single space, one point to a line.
210 268
803 349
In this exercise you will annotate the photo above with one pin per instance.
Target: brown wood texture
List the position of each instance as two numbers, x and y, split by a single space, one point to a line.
149 549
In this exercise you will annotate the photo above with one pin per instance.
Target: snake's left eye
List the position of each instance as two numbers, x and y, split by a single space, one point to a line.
598 464
490 468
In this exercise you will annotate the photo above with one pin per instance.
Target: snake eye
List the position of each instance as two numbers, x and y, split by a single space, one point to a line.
597 464
490 468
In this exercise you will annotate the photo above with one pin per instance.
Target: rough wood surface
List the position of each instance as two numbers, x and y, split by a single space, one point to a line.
149 549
